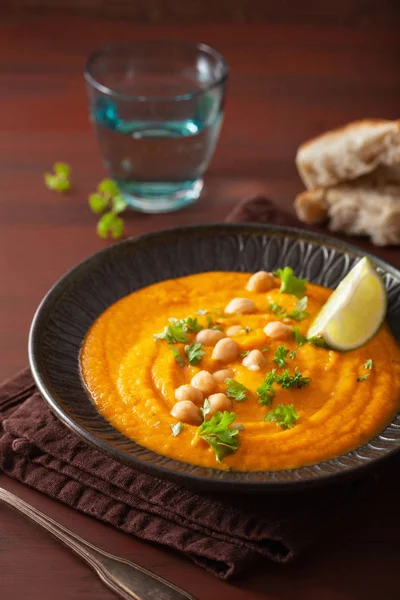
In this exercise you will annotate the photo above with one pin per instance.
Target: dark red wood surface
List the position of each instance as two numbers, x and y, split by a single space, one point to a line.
288 82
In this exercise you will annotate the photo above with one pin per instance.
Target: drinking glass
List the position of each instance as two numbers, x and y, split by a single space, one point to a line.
157 109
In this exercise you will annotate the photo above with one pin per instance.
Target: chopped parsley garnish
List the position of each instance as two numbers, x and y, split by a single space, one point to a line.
176 429
277 309
219 434
317 341
284 415
206 408
286 380
290 284
194 352
193 326
265 349
266 392
298 337
369 364
173 333
210 323
248 329
245 353
298 314
280 356
235 390
177 356
363 377
300 341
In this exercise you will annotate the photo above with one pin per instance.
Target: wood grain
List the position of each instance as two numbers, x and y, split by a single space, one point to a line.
290 79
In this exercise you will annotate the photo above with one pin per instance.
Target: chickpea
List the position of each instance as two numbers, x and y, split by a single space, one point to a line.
189 392
223 374
278 331
219 402
225 350
254 361
187 412
209 337
240 306
204 381
260 282
234 330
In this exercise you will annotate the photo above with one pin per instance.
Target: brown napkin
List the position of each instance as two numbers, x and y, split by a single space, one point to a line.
223 534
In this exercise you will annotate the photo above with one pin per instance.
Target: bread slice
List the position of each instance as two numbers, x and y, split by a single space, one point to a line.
348 152
355 208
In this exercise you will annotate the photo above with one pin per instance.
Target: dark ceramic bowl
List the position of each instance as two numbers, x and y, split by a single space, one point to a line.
72 305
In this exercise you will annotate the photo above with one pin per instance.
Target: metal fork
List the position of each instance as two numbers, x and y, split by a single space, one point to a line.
125 578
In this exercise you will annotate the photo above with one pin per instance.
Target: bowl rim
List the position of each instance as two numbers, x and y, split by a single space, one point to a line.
193 479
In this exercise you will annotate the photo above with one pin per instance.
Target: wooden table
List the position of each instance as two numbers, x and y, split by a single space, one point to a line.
288 83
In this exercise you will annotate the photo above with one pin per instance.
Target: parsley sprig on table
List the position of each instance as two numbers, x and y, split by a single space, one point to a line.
220 433
59 180
290 284
284 415
108 200
235 390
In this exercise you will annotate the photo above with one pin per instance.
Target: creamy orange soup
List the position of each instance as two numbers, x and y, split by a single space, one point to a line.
132 377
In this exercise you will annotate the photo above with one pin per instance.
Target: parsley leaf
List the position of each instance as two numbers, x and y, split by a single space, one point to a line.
298 337
235 390
110 224
59 180
286 381
108 198
248 329
300 341
298 314
277 309
265 349
369 364
177 356
290 284
193 325
206 408
245 353
284 415
177 428
363 377
211 323
219 434
317 341
175 332
280 356
266 390
194 352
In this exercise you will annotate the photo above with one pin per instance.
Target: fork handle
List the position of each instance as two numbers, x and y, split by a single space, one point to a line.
128 580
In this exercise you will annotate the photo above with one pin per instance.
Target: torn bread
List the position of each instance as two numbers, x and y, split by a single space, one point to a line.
348 152
355 208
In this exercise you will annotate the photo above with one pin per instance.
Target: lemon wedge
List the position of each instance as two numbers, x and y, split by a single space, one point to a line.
355 310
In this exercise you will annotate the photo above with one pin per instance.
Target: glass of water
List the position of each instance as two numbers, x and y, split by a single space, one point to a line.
157 109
